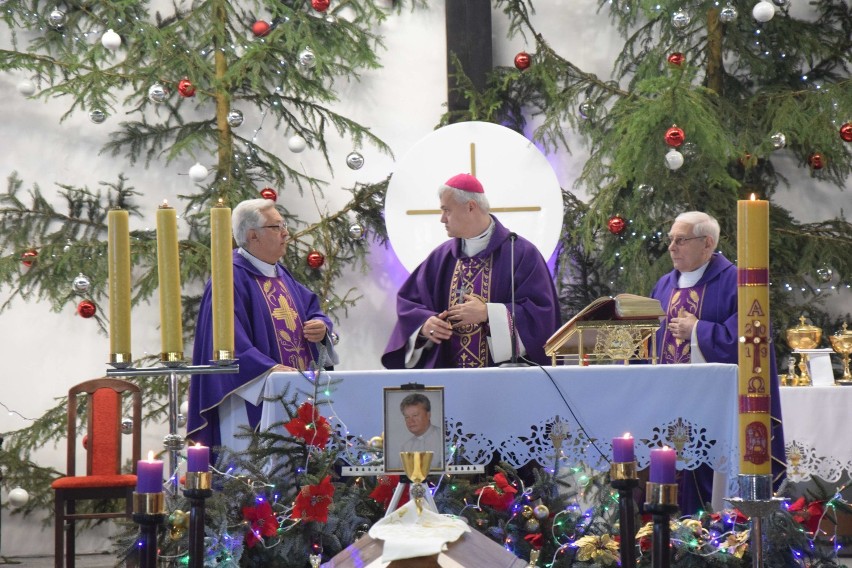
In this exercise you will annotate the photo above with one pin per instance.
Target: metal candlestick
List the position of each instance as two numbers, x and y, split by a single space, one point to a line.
149 514
197 490
661 502
756 502
623 477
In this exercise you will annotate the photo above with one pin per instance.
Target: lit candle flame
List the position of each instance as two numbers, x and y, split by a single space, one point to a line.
753 198
627 435
150 455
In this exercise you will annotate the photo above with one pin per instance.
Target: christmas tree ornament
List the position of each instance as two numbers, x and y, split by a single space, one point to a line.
781 3
355 161
235 118
779 140
356 231
111 40
674 159
186 88
527 512
181 419
315 259
97 116
26 88
541 512
846 132
816 161
616 224
86 309
260 28
178 524
81 283
331 18
824 274
29 257
675 136
126 426
307 59
532 525
157 93
680 20
85 441
56 19
320 5
689 149
587 109
297 144
676 58
197 173
728 14
269 193
763 11
523 60
18 497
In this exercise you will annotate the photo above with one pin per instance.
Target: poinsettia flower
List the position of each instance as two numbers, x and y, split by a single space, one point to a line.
601 550
736 543
807 514
499 495
536 540
736 517
313 501
310 426
262 522
385 487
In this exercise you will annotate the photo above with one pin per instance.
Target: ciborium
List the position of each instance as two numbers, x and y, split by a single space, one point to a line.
841 342
803 336
416 465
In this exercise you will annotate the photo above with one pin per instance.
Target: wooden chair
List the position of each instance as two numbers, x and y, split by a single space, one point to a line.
103 479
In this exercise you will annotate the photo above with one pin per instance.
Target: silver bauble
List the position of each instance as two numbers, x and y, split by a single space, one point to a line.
56 19
541 512
235 118
689 149
728 14
126 426
81 283
532 525
779 140
307 58
356 231
825 274
157 93
587 110
680 20
97 116
781 3
181 420
355 161
18 497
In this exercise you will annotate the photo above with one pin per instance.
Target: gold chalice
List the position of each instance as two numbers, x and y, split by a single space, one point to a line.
803 337
841 342
416 465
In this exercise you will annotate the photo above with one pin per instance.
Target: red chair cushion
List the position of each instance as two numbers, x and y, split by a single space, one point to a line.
105 437
86 481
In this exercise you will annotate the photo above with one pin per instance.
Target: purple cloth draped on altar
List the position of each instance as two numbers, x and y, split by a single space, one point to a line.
426 292
713 300
257 346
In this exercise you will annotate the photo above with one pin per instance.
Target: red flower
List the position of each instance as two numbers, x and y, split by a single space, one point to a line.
807 514
385 487
536 540
737 517
313 501
309 426
500 495
262 520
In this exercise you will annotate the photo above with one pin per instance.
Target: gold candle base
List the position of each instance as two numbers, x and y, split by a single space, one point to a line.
661 493
623 470
223 357
149 503
172 359
120 360
198 480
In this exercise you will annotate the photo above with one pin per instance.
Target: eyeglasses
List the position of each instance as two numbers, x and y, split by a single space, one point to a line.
281 227
678 241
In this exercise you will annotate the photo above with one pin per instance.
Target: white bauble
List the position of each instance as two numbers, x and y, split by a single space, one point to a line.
18 497
197 172
26 88
111 40
763 11
297 144
674 159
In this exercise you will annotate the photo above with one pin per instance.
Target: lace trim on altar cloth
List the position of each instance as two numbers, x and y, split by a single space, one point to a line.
803 462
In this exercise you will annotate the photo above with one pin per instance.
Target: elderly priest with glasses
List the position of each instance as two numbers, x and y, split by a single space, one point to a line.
278 326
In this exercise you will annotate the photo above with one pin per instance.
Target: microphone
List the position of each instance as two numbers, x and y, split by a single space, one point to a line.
513 362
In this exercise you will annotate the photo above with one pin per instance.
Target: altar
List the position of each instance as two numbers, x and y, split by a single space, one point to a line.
541 414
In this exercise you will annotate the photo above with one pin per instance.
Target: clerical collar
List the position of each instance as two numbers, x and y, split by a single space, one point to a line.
263 267
690 279
477 244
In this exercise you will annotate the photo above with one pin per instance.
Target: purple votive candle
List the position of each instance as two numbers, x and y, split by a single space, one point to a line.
622 449
149 475
198 458
662 465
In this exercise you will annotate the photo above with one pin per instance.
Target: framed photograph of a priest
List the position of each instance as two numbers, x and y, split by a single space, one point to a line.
414 422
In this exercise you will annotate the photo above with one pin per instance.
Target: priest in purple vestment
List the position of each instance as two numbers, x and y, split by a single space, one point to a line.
700 300
278 326
455 309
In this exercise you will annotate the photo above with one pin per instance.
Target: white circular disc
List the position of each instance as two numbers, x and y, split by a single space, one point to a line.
513 172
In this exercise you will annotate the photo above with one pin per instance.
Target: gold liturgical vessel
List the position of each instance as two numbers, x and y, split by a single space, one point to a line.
841 342
803 336
416 465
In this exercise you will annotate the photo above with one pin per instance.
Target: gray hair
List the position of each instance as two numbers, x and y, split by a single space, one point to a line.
415 399
703 225
462 196
247 216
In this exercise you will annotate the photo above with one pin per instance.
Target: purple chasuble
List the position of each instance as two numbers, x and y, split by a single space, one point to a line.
682 301
472 275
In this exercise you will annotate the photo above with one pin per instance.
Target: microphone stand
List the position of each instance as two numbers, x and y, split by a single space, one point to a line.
513 362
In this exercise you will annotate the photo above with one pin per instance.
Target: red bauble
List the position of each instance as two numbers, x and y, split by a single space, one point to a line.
186 88
676 58
816 160
85 441
320 5
269 193
29 257
260 28
315 259
616 224
86 309
675 136
523 60
846 132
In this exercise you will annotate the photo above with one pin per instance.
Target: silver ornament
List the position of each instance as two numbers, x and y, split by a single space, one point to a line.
781 3
532 525
680 20
307 59
728 14
56 19
689 149
81 283
825 274
157 93
97 116
587 109
355 161
541 512
26 88
181 420
779 140
356 231
645 189
126 426
235 118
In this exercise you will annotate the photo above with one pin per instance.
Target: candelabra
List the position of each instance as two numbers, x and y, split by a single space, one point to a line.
197 490
756 501
661 502
623 477
149 514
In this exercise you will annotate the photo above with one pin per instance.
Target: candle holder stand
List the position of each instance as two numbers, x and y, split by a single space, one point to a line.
149 514
174 442
197 490
624 478
756 502
661 502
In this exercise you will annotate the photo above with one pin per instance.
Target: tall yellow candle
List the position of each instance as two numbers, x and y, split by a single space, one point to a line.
118 259
222 282
753 305
168 266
